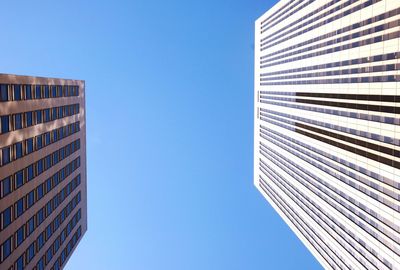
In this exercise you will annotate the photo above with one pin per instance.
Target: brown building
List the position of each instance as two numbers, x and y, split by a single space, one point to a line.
43 209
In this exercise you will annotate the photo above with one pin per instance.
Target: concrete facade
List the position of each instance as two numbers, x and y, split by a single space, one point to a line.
43 155
327 127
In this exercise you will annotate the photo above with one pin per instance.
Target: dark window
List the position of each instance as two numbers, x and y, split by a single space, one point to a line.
48 232
38 92
40 241
6 248
18 150
17 92
5 123
7 217
40 216
28 92
30 173
40 192
29 146
49 254
18 121
38 115
48 185
48 208
40 264
47 138
6 186
20 235
53 91
19 207
39 142
39 166
6 152
46 115
29 119
19 179
3 92
46 91
30 252
19 264
30 226
30 199
54 113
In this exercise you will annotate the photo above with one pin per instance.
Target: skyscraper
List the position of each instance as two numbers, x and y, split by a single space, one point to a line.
42 171
327 126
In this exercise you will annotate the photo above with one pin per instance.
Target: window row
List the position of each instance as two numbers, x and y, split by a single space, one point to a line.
27 175
66 252
36 220
357 44
16 92
37 245
27 146
27 119
35 195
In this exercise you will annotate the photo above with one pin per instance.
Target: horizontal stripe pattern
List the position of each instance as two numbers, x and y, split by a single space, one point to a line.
327 117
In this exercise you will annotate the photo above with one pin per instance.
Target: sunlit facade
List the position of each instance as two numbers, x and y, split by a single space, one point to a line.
42 171
327 126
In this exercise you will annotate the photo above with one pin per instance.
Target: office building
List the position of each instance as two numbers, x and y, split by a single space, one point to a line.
42 171
327 126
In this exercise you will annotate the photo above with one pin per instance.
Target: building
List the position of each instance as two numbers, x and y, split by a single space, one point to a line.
327 126
42 171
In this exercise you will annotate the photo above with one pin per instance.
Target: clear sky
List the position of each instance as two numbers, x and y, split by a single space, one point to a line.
169 88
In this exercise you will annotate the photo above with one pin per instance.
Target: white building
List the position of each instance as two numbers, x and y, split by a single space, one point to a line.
327 126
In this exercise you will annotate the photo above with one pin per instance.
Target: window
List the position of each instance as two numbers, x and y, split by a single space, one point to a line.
30 252
6 217
39 142
29 119
47 138
29 146
40 241
46 115
19 264
18 150
46 91
30 226
20 235
54 113
6 186
30 199
6 153
3 92
40 192
53 91
28 92
48 232
38 92
38 115
19 207
40 216
6 248
18 121
39 166
48 208
49 254
19 179
17 92
40 264
5 123
30 173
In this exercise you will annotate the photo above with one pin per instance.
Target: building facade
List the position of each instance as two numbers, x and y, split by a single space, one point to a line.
327 126
42 171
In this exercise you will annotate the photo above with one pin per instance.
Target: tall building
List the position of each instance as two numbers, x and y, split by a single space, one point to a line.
327 126
42 171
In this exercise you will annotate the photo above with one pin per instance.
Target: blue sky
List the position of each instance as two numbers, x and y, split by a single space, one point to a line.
169 129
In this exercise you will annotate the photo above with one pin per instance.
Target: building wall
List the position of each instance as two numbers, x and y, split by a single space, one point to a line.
327 127
48 199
